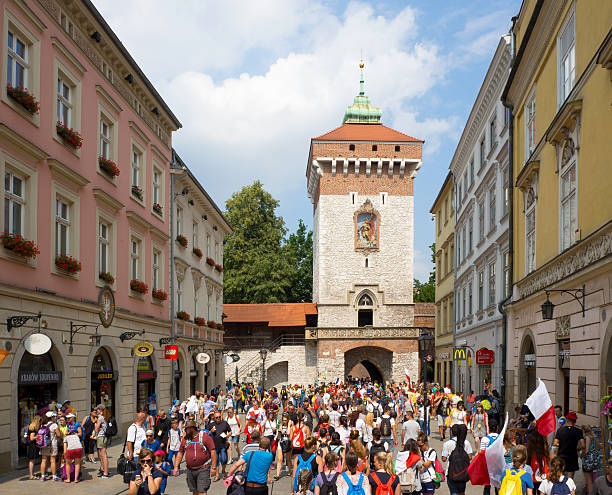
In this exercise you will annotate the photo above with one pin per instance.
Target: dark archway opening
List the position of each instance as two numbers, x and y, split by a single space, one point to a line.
366 369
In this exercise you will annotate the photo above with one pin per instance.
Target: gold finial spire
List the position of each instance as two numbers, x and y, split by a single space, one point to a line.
361 64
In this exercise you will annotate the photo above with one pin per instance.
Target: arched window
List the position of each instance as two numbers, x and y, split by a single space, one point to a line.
102 361
365 311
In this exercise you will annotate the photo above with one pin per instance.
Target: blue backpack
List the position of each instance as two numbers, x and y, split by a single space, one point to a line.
560 488
304 464
354 489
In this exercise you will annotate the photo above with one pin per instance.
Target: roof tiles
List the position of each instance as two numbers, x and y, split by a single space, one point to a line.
366 132
276 314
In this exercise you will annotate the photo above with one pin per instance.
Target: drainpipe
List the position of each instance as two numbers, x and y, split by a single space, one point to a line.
173 392
509 108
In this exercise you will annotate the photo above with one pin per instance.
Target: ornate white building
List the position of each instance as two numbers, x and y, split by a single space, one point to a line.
480 171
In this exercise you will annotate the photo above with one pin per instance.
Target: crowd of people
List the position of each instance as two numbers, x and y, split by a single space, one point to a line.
355 438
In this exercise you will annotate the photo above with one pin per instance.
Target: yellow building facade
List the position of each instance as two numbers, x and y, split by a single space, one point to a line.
560 91
444 214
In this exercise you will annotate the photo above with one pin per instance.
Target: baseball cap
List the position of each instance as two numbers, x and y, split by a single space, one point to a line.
50 414
70 415
159 452
149 432
571 416
190 424
100 407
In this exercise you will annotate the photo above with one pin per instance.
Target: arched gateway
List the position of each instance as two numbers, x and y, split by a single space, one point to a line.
361 183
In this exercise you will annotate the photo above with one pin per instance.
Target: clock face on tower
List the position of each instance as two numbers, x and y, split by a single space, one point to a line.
106 302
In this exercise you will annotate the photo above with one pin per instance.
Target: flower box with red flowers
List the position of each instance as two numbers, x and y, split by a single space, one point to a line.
138 286
212 324
182 240
218 267
68 263
198 252
199 321
210 261
182 315
137 191
157 208
108 166
25 99
18 245
162 295
69 135
107 277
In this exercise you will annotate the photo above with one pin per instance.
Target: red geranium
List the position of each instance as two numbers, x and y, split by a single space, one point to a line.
69 135
108 166
24 98
19 245
210 261
198 252
182 315
138 286
68 263
182 240
199 321
107 277
162 295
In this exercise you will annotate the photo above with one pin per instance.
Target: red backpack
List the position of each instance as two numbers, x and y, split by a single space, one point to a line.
297 439
383 489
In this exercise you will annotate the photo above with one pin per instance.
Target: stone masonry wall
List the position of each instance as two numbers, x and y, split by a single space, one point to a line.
340 269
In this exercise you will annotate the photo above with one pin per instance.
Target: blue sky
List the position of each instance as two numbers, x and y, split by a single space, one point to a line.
252 82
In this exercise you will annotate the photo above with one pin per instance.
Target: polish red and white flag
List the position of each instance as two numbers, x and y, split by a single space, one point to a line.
408 376
489 465
542 408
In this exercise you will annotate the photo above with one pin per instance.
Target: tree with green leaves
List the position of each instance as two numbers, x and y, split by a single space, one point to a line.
299 252
426 291
256 267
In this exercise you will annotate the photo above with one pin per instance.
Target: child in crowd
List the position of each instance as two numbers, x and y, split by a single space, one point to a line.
516 473
164 467
174 441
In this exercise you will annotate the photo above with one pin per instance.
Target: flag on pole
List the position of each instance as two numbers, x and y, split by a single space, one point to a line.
489 465
407 376
542 408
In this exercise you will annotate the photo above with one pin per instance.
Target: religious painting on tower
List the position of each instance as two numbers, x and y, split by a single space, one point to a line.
366 228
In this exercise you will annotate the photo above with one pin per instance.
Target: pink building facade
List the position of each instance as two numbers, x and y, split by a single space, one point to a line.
99 235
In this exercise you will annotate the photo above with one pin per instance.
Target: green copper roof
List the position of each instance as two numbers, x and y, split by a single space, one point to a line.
361 112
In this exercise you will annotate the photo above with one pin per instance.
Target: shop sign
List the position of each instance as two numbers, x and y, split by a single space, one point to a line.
459 354
171 352
38 377
530 360
202 358
106 303
143 349
485 356
146 375
443 355
104 375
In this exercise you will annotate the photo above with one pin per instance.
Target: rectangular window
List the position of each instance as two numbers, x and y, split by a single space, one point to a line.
136 167
471 233
568 206
195 301
492 218
14 203
208 245
480 290
482 152
463 242
506 201
492 132
439 221
458 247
465 181
179 295
194 239
62 227
64 101
179 220
530 120
156 267
491 284
463 302
481 221
567 59
470 299
506 274
471 171
157 186
445 262
459 194
446 210
530 234
217 252
105 138
208 309
135 259
66 24
17 65
103 246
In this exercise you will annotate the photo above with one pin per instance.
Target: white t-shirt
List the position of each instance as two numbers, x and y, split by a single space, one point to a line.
344 434
449 446
410 429
73 442
137 435
334 418
53 434
269 428
233 424
428 474
458 417
360 426
547 485
175 439
379 422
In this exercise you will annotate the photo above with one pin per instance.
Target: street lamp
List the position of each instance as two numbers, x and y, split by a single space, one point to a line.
548 307
263 353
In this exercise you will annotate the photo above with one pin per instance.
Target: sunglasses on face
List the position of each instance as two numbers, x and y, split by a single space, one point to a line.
149 436
147 461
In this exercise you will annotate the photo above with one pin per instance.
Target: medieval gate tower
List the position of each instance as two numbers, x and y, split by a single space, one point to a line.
360 178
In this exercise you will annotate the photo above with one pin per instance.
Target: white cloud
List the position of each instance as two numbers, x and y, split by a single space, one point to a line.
422 266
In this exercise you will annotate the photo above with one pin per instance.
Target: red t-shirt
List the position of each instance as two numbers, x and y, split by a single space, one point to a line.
197 450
